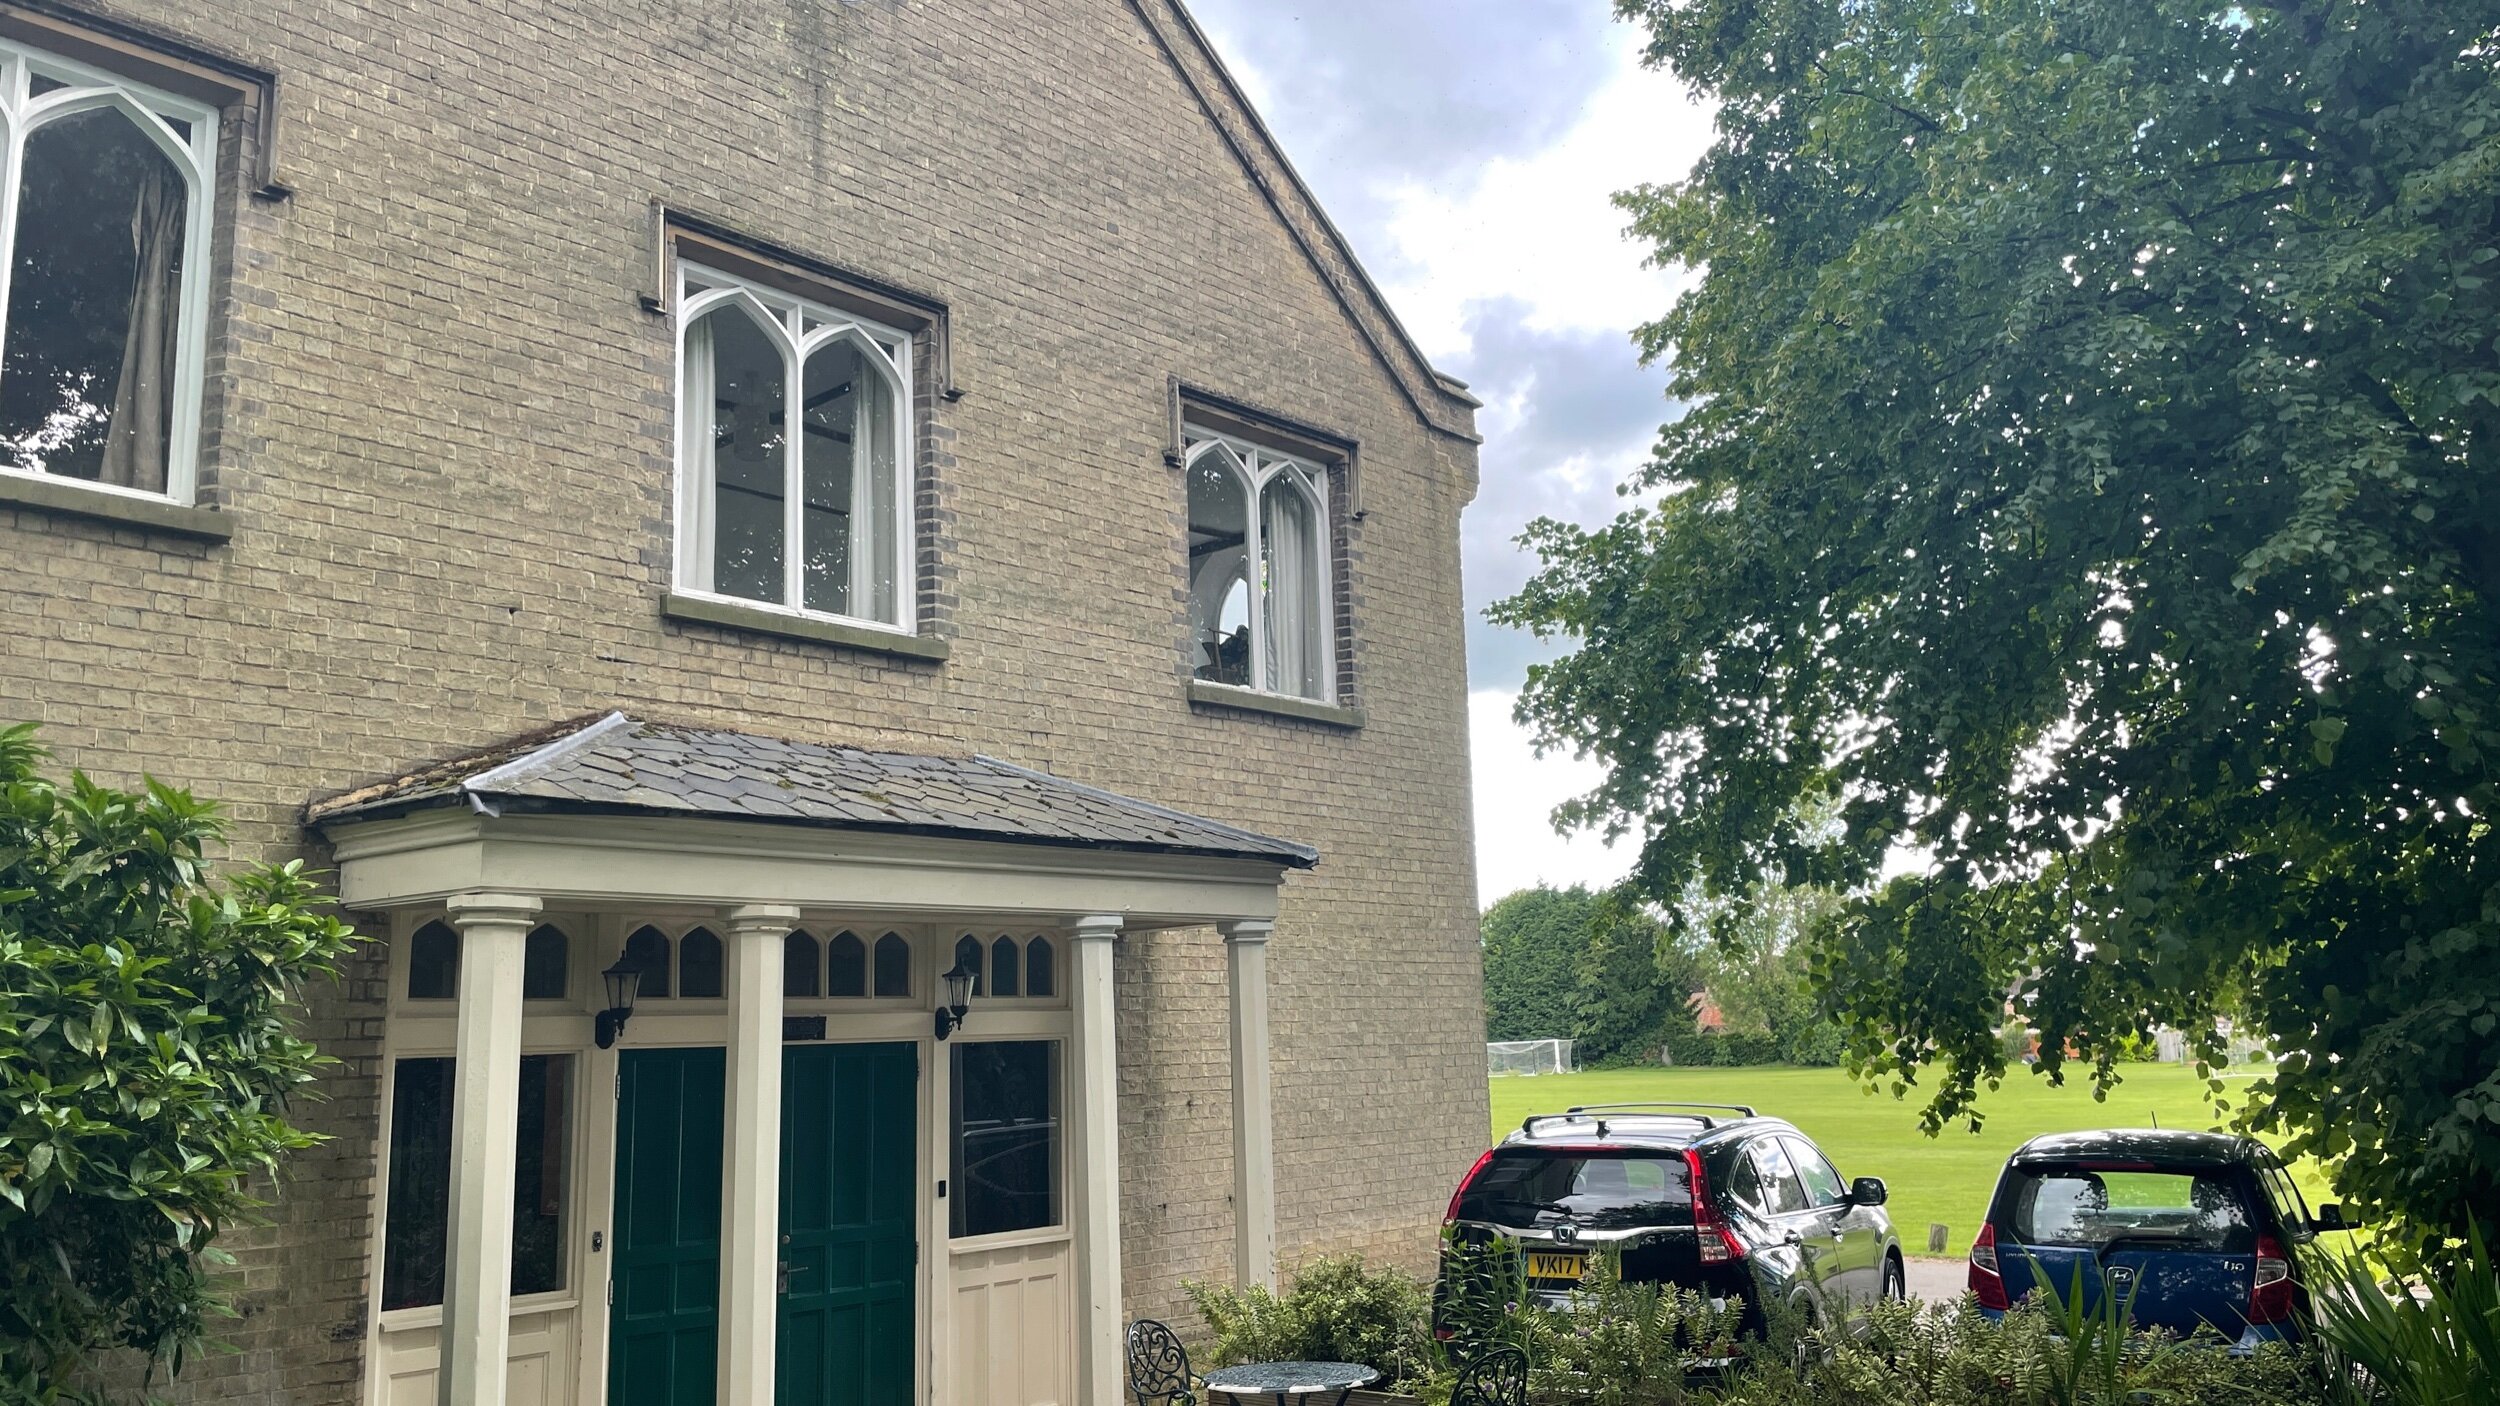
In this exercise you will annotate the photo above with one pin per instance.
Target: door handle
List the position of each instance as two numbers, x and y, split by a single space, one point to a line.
782 1270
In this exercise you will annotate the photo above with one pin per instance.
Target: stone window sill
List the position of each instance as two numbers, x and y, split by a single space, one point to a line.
704 610
1248 700
76 499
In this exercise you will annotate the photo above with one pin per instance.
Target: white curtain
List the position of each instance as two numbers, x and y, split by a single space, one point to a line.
874 552
1290 549
137 441
696 399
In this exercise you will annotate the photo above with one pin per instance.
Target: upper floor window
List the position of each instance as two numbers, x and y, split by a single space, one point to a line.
1259 609
105 189
794 446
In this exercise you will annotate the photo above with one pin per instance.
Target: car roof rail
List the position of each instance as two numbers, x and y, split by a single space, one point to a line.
1597 1112
1741 1110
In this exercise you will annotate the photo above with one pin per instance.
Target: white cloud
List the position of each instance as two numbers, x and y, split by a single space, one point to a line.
1542 228
1516 792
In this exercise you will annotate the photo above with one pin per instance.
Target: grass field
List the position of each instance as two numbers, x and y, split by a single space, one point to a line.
1942 1179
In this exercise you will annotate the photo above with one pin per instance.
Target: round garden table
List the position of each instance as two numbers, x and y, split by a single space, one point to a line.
1293 1383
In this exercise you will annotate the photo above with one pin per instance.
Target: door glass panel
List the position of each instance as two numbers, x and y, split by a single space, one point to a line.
415 1228
1006 1137
540 1181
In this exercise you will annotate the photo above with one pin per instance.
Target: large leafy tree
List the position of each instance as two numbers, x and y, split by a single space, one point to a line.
1532 945
2092 481
145 1063
1593 968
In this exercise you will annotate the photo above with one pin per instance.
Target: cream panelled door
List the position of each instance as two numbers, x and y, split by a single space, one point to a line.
1011 1317
541 1355
1011 1324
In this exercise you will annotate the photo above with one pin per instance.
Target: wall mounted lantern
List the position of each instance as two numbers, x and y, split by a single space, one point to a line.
950 1017
624 982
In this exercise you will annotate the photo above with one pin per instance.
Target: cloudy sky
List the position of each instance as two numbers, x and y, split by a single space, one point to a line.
1468 149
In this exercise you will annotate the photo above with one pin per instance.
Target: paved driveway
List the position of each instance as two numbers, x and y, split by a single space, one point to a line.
1936 1281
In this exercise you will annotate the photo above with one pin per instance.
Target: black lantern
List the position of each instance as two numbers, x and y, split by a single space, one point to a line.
958 981
624 982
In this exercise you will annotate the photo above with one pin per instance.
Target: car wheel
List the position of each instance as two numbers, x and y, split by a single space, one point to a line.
1896 1280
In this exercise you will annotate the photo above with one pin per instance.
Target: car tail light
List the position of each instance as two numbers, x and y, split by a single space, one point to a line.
1985 1281
1464 1183
2270 1296
1718 1244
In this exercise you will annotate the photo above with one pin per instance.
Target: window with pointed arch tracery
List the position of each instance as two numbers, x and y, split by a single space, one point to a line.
1260 615
103 275
794 449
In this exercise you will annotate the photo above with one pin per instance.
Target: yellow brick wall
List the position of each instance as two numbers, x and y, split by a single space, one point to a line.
441 426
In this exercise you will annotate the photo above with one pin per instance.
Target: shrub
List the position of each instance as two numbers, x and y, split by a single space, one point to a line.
1338 1309
145 1063
2402 1347
2043 1354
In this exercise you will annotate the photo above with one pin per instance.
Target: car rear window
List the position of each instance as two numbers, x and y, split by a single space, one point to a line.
1593 1187
2088 1208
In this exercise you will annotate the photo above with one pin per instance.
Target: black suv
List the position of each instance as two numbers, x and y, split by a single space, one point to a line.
1709 1197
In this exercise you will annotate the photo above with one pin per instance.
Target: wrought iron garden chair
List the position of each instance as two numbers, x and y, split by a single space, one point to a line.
1158 1366
1499 1377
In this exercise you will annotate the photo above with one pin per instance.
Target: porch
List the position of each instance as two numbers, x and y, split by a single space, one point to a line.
783 1179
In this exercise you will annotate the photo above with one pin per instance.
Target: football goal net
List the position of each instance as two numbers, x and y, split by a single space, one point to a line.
1529 1056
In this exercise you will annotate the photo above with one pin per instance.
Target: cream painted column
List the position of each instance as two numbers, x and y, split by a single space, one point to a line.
485 1131
1254 1116
750 1240
1096 1086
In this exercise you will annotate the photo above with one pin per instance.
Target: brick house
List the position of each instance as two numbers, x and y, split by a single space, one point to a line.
1024 811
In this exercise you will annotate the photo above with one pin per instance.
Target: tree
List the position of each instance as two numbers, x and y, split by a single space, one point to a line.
1588 967
1532 945
1757 971
145 1063
2092 482
1630 982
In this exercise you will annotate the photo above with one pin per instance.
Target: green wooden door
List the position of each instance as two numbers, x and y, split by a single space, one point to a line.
663 1333
849 1222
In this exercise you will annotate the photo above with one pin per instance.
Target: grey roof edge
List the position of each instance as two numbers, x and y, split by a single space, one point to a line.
540 758
501 788
1308 854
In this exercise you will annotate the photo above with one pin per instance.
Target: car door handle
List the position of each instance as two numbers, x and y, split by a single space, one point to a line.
1792 1240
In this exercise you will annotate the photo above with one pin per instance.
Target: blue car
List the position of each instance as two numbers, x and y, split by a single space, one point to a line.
2202 1229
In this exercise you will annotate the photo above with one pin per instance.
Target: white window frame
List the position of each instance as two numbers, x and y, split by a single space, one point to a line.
798 328
91 89
1256 466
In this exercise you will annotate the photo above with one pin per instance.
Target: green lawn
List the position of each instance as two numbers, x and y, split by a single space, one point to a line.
1945 1178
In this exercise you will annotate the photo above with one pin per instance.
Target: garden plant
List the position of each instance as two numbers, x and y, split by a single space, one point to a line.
146 1065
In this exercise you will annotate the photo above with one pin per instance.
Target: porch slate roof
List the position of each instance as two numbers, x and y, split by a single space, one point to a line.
619 765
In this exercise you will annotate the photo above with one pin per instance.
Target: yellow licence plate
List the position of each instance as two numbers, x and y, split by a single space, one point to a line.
1542 1265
